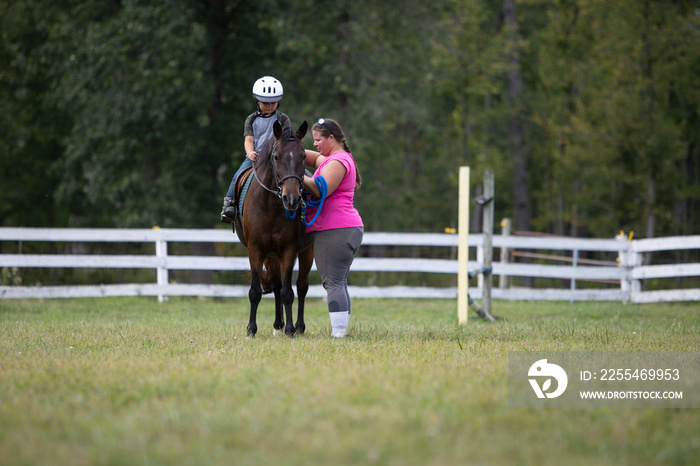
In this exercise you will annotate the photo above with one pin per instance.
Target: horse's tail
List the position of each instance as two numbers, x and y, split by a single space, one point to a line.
271 270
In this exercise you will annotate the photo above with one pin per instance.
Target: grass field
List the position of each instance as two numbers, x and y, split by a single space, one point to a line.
128 381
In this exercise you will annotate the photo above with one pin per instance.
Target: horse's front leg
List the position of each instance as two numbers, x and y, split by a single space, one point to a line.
287 293
273 282
306 260
254 296
278 325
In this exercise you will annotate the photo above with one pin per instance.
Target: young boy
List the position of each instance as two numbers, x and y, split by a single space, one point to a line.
267 92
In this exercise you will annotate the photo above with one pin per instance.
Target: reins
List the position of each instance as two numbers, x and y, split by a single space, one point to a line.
277 193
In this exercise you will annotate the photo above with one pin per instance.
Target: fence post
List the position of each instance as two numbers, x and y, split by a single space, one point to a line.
636 260
624 256
480 260
488 241
505 231
463 248
162 271
574 264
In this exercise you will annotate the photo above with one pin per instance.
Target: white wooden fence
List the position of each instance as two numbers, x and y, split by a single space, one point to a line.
627 273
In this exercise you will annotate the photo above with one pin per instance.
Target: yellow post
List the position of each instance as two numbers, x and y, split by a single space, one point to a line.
463 249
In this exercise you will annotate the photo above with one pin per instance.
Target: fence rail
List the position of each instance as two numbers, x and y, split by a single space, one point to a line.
628 273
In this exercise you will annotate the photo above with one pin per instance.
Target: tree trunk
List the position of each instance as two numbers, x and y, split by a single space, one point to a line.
521 197
651 216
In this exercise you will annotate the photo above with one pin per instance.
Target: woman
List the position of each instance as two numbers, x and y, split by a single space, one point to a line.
338 230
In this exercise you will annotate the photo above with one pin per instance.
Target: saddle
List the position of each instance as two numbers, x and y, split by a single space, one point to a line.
240 189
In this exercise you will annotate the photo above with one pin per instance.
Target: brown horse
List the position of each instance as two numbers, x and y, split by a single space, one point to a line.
274 240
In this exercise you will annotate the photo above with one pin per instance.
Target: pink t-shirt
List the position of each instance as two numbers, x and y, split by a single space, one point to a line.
338 210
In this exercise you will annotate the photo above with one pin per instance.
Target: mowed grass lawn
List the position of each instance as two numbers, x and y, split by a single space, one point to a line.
129 381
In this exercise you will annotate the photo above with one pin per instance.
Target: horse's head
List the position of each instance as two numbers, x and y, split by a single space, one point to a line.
288 156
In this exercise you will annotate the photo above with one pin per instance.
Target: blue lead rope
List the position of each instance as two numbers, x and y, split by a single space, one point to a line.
323 188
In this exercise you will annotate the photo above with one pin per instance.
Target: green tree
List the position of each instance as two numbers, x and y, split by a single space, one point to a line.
610 77
129 83
362 68
127 113
156 96
31 127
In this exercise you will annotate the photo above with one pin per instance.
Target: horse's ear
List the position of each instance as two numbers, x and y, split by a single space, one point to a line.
277 129
302 130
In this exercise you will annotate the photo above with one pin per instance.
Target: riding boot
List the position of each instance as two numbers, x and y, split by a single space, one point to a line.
228 211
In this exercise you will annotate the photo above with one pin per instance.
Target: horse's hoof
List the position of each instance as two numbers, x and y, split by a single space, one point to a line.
276 332
289 332
300 330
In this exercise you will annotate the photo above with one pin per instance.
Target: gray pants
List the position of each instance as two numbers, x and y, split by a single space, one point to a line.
334 251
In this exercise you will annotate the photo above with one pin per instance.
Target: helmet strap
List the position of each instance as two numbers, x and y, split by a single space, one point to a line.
260 113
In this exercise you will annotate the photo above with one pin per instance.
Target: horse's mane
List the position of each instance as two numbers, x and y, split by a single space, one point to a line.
266 150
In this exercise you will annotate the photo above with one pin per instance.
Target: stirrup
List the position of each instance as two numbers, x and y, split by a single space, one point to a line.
231 212
228 211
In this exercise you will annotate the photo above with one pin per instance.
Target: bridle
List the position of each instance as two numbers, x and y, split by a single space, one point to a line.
278 180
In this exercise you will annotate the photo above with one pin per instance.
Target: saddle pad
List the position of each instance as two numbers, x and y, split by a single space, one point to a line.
239 192
244 178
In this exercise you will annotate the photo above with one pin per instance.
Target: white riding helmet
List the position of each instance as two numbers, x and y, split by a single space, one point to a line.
268 89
